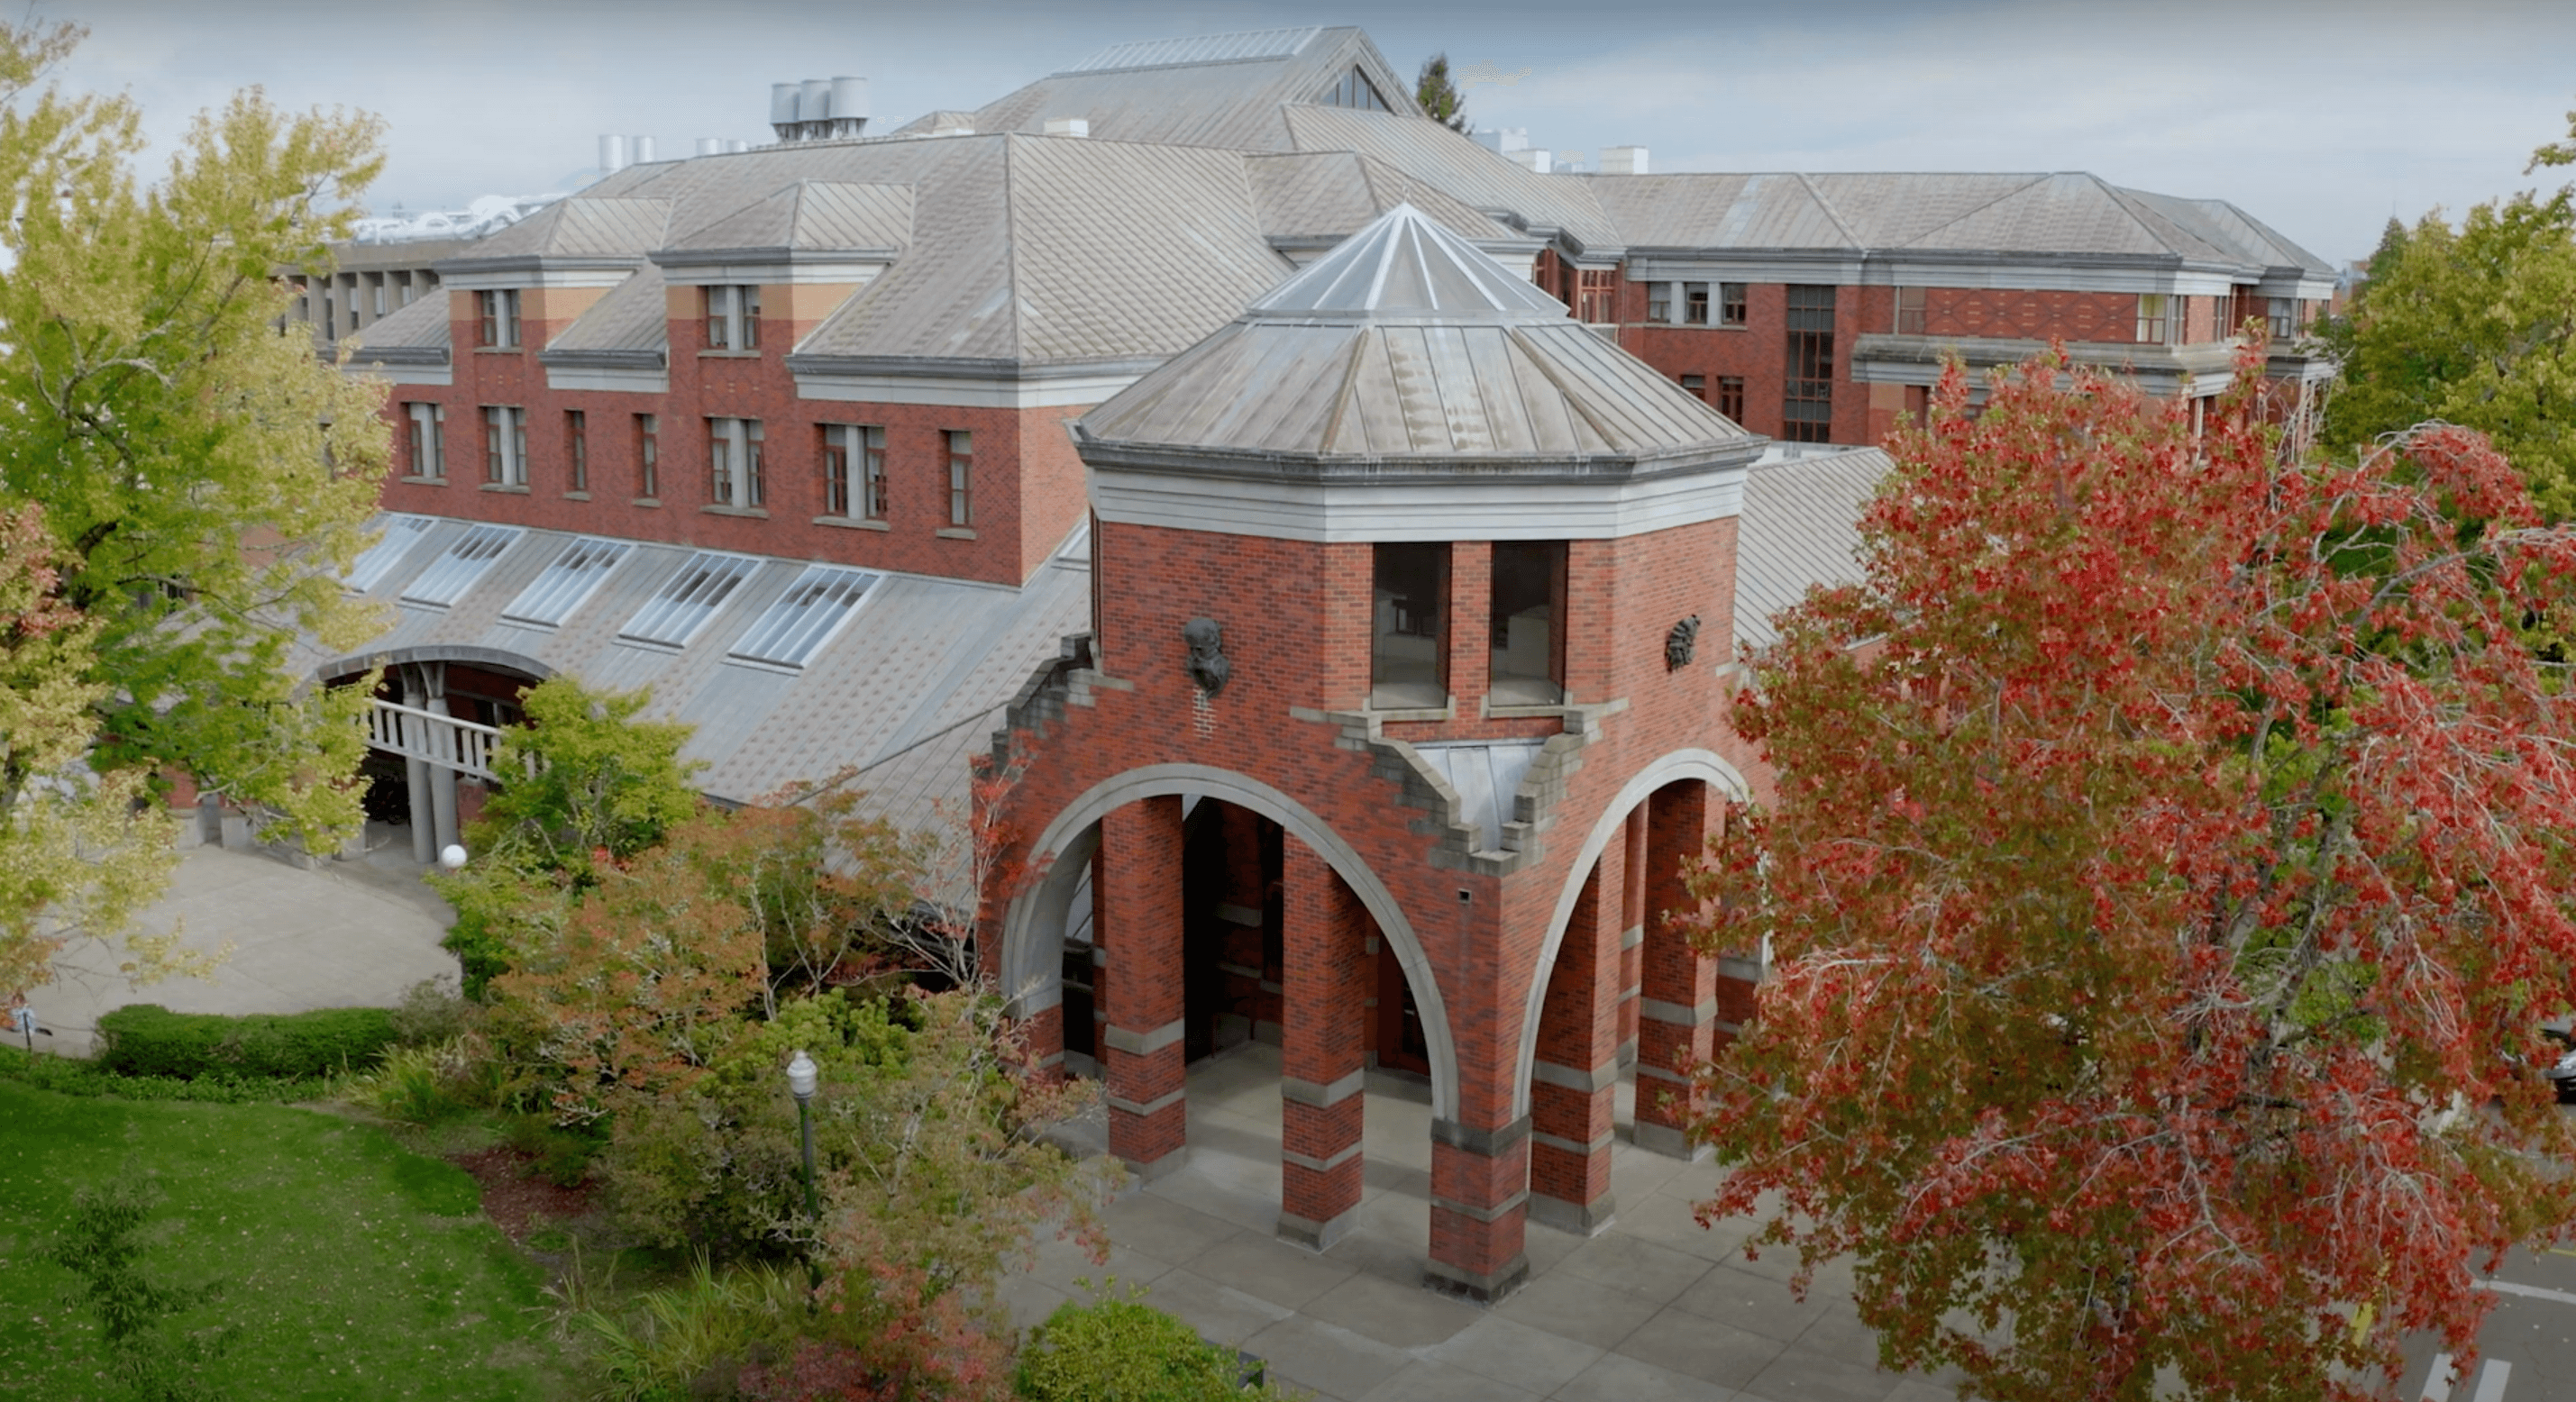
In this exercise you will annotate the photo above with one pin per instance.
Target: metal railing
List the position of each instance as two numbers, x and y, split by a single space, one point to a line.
445 741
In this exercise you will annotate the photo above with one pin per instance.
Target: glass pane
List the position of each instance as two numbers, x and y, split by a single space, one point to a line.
1409 642
1529 595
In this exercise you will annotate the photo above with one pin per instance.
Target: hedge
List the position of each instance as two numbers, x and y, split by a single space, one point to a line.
1117 1350
65 1075
145 1039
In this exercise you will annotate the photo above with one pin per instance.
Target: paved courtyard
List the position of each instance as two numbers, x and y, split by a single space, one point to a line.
1655 1308
350 933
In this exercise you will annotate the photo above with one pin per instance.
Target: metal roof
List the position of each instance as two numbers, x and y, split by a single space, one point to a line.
1246 45
583 226
814 214
1405 264
1800 529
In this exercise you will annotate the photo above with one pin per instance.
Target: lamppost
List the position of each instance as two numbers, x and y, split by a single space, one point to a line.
451 857
801 1080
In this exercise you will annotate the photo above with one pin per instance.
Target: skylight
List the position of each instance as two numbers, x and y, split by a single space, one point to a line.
566 584
462 563
688 599
378 560
805 617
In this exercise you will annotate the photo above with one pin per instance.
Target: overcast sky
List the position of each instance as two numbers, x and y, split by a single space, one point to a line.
2321 119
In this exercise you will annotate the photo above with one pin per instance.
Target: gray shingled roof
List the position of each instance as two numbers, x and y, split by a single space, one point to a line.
633 319
1465 171
421 325
904 687
1236 103
1408 341
838 215
1800 529
587 225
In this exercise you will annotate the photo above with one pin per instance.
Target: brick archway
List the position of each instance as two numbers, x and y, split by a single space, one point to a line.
1676 767
1029 969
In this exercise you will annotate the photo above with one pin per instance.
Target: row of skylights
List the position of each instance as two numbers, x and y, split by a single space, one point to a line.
688 599
462 563
805 617
566 584
378 560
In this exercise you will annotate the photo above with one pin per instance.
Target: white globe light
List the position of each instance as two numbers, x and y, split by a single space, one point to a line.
452 857
802 1076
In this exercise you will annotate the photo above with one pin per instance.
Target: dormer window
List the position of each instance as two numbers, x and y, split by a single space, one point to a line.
500 326
1355 90
733 317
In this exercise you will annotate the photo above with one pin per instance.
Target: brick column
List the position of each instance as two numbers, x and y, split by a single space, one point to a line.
1479 1208
1574 1079
1139 905
1632 932
1323 1058
1678 1012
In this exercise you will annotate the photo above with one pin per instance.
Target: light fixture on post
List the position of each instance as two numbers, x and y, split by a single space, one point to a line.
451 857
802 1078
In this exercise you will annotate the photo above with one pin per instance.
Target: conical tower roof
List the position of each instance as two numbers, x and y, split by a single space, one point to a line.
1406 342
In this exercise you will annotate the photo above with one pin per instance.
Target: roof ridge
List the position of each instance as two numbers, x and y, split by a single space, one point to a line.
2025 187
2135 209
1808 182
1011 257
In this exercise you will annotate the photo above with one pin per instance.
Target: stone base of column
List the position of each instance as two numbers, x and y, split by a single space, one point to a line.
1314 1235
1153 1170
1671 1143
1582 1219
1485 1289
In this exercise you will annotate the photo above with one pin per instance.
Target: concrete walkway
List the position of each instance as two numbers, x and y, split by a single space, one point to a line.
345 934
1654 1309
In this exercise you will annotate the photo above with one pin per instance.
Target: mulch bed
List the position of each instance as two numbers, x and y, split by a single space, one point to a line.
518 1202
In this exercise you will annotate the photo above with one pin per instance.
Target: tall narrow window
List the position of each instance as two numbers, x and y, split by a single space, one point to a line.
1596 295
505 446
1730 304
733 317
1409 642
733 460
648 457
1730 396
961 477
2152 319
1695 304
836 469
2284 318
500 330
1909 311
428 440
854 471
1529 640
577 449
1807 399
872 474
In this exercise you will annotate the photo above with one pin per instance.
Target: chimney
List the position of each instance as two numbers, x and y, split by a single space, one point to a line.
1623 160
639 149
1068 126
612 154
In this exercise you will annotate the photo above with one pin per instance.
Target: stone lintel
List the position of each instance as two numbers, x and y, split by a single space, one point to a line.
1325 1095
1145 1043
1588 1082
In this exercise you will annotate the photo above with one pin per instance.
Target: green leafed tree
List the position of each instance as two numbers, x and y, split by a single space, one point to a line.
1441 101
205 474
2473 325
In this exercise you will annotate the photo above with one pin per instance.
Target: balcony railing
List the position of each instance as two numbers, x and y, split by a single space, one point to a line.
445 741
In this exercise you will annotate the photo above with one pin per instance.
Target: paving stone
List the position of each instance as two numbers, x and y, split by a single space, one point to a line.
1921 1390
1802 1374
1838 1330
1064 1266
1751 1302
1702 1348
1270 1269
1330 1359
1636 1265
1620 1379
1165 1230
1029 1300
1399 1315
1425 1381
1588 1311
1257 1214
1666 1220
1220 1313
1521 1354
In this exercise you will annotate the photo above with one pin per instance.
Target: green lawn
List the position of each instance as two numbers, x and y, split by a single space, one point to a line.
353 1267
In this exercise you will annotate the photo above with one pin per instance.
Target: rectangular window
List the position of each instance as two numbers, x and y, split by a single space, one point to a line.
733 317
1528 647
1596 295
1409 642
2284 318
648 457
733 461
1807 400
428 424
577 448
380 297
2152 317
500 318
505 446
1730 304
1695 304
854 471
1659 301
1730 396
961 477
836 469
872 474
1909 311
1696 386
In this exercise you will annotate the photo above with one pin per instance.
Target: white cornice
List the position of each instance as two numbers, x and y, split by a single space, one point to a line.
1432 508
964 391
614 381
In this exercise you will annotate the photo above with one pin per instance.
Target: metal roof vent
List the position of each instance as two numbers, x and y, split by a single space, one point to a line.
639 149
1623 160
818 109
1068 126
612 154
711 145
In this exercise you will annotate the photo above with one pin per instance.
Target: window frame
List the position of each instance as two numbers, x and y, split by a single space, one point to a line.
1526 689
428 420
2155 327
872 470
960 446
2282 328
1383 695
1730 307
731 316
1730 397
1911 311
1697 306
500 318
648 457
836 471
577 449
1807 381
1659 303
505 445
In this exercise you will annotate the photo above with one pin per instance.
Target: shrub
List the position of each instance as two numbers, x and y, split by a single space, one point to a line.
145 1039
691 1339
65 1075
562 1156
432 1011
409 1087
1121 1351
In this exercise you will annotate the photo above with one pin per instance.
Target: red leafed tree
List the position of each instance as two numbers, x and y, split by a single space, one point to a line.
2167 882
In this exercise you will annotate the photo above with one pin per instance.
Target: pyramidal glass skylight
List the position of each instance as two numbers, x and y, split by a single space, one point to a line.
566 584
688 599
460 564
378 560
805 617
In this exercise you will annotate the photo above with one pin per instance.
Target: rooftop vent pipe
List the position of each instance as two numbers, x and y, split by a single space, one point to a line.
818 109
639 149
612 154
710 145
